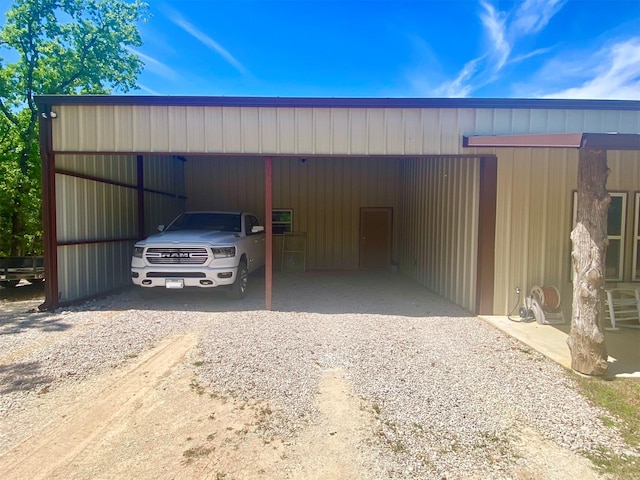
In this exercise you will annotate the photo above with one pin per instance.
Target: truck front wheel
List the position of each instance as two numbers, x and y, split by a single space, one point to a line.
239 287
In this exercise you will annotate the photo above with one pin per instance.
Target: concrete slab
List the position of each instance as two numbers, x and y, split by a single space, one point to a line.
623 345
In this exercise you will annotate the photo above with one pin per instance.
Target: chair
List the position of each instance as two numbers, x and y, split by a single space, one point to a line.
623 306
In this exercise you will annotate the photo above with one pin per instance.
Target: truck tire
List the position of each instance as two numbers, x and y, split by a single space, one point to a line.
239 287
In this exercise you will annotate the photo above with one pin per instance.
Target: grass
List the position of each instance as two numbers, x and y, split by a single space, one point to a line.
621 398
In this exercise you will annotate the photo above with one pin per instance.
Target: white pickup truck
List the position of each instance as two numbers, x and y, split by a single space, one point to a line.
201 249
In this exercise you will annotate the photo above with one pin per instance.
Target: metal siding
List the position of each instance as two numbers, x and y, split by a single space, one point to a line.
195 124
267 129
286 130
307 131
533 222
326 195
251 129
87 270
177 130
439 225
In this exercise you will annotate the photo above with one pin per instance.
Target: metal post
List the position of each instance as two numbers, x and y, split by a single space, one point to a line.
268 208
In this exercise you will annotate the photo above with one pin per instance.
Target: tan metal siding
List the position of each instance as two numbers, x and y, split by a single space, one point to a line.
307 131
534 214
86 270
439 225
116 168
326 195
97 218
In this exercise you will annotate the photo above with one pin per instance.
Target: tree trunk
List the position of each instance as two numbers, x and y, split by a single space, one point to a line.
589 237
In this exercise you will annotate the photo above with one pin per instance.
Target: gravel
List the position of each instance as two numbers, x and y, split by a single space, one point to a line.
448 393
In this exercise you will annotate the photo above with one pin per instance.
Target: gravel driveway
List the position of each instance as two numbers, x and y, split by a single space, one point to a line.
446 395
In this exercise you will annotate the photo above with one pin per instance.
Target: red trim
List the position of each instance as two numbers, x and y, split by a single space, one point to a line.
595 141
268 220
116 183
92 242
140 171
50 233
486 235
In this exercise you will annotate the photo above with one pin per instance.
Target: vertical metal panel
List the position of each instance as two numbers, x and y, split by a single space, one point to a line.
213 130
358 131
251 129
232 130
306 131
195 128
87 270
286 130
116 168
89 210
177 130
141 129
340 141
439 227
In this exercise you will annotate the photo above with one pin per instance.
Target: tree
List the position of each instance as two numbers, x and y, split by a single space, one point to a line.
589 238
60 47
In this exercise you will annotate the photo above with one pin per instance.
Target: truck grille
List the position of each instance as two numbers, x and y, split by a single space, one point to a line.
177 256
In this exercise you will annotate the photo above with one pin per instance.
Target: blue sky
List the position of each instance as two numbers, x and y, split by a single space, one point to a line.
375 48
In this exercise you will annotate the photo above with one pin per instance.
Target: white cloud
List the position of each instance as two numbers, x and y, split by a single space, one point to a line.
155 66
494 23
148 90
460 87
209 42
611 73
504 30
533 15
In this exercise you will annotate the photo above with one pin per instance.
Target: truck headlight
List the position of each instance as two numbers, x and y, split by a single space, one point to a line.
137 251
224 252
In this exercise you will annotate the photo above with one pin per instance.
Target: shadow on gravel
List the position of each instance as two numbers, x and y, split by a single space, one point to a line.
18 377
24 291
16 322
381 293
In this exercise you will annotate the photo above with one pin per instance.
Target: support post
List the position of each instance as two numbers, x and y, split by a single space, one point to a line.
140 192
589 238
50 231
268 209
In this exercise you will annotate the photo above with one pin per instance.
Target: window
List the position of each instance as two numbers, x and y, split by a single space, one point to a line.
635 276
282 220
615 233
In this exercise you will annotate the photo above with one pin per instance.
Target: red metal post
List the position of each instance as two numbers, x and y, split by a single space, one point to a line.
268 208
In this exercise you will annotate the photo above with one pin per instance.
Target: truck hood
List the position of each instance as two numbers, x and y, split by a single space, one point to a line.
190 237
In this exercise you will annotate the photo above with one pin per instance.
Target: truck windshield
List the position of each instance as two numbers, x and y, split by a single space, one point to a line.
225 222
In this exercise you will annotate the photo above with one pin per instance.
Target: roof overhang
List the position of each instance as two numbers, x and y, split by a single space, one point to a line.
595 141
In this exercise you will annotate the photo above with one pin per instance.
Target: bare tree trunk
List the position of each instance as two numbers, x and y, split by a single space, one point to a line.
589 237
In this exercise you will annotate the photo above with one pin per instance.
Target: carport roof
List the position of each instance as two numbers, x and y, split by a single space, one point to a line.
336 102
596 141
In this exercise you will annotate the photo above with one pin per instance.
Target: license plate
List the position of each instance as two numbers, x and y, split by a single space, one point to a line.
174 283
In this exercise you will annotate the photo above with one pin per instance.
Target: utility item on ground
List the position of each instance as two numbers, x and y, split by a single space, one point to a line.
201 249
14 269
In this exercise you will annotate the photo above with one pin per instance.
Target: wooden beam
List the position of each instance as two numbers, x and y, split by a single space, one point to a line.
268 209
486 235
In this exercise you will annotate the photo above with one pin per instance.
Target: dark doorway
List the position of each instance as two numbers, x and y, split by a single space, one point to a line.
375 237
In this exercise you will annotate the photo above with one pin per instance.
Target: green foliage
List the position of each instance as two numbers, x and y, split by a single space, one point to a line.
60 47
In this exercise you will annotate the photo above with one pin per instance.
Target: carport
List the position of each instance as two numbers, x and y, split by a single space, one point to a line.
114 167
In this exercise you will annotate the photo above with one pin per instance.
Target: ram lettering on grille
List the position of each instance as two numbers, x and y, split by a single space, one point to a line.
177 256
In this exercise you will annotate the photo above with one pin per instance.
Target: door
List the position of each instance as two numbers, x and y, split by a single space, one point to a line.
375 238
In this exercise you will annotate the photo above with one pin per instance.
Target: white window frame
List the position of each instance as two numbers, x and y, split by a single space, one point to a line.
290 223
621 237
636 238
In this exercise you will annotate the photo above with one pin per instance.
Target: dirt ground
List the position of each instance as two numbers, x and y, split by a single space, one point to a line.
150 419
